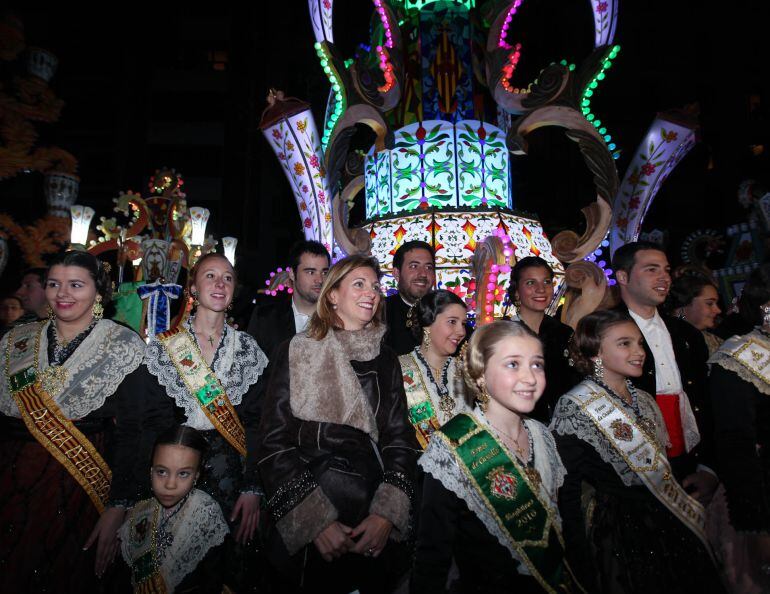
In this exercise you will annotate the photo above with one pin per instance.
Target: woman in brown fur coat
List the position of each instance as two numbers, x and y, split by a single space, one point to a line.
337 455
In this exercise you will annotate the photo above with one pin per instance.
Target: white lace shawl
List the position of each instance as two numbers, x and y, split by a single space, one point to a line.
454 384
570 419
94 371
197 527
440 462
724 358
238 364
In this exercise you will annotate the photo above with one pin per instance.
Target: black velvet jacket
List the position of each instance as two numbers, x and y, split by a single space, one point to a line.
742 416
271 324
560 377
399 337
316 472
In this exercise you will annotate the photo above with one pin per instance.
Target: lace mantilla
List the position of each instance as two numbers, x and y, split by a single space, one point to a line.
724 358
192 532
440 462
94 371
569 419
453 383
238 364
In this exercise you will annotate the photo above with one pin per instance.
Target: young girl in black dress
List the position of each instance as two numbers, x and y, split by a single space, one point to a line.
173 541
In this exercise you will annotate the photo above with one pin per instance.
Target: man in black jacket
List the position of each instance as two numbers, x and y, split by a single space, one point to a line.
280 320
675 370
414 267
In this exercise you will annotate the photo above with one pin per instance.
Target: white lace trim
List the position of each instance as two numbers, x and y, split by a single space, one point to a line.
453 384
197 528
94 371
238 364
440 462
724 358
569 419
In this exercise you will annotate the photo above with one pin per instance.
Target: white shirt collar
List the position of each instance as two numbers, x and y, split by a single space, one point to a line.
301 320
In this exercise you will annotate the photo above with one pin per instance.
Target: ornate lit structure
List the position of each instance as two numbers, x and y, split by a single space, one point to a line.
439 91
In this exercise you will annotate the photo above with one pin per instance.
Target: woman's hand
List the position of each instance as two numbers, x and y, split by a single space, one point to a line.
248 508
334 541
105 535
374 532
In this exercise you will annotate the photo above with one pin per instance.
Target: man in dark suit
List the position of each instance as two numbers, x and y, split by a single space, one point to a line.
414 267
675 370
280 320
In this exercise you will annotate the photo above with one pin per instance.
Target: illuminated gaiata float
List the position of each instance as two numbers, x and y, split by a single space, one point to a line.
437 87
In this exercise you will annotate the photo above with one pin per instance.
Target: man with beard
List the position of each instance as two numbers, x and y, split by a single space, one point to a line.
675 371
278 321
414 267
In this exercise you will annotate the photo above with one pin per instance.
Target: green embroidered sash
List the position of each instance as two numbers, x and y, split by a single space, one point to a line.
512 499
204 385
422 415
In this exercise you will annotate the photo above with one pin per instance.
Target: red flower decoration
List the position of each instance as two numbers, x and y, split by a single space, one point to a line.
633 204
308 224
670 136
420 134
622 223
601 7
648 169
276 134
313 160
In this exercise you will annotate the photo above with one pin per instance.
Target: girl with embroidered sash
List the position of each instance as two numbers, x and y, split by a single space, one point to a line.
208 378
437 321
71 410
337 453
641 532
739 388
491 478
174 540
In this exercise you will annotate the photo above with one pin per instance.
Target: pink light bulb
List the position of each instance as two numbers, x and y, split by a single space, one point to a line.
489 308
490 287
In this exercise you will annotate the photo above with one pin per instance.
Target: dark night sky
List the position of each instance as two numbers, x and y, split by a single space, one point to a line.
141 92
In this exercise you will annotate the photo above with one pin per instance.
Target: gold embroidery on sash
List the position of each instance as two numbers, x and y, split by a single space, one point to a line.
204 386
57 434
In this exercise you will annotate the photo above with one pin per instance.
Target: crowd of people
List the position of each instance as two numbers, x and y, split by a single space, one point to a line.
352 442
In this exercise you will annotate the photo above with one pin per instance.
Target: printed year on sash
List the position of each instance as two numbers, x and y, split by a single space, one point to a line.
511 499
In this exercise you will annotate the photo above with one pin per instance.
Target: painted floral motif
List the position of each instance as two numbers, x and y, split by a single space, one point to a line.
295 142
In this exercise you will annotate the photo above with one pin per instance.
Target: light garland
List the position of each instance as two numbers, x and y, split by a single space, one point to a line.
340 102
585 103
501 42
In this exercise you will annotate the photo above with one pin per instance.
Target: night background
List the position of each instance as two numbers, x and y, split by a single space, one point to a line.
184 88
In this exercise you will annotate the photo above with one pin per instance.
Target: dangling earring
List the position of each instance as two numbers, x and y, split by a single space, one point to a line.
195 299
681 315
598 368
425 339
97 308
483 399
765 315
51 314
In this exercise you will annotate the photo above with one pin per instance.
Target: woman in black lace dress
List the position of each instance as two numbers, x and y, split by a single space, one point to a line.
207 376
639 531
71 411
